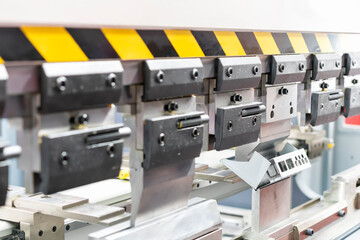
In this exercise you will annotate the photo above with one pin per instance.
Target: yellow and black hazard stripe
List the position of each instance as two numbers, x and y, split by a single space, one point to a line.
58 44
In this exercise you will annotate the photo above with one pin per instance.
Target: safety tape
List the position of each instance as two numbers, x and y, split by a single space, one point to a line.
58 44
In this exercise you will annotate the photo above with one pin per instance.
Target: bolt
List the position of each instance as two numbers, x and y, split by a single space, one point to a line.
64 158
283 91
162 139
336 104
195 132
110 150
354 62
230 126
255 70
236 98
67 228
281 67
322 65
337 64
322 106
111 80
324 85
254 120
195 74
41 233
83 119
301 66
171 106
160 76
309 232
354 81
229 71
61 83
341 213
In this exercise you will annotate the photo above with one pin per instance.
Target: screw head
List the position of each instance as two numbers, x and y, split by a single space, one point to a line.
324 85
229 71
309 232
301 66
195 132
64 158
230 126
341 213
321 65
283 91
162 139
61 83
254 120
171 106
195 74
111 80
336 104
321 106
281 68
236 98
255 70
110 149
160 76
83 119
354 62
354 81
337 64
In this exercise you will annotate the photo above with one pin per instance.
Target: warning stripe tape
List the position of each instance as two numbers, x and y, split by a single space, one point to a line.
58 44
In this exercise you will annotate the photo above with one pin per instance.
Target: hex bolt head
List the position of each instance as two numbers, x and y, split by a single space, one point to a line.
354 62
83 119
281 68
337 64
195 74
321 65
110 149
255 70
229 71
301 66
309 232
283 91
195 132
61 83
162 139
111 80
160 76
171 106
354 81
230 126
64 158
341 213
324 85
236 98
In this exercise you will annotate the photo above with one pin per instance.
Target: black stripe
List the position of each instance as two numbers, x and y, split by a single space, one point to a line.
93 43
158 43
14 46
311 42
335 41
283 42
208 43
249 42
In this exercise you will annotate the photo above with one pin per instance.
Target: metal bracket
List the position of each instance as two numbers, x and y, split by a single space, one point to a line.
170 139
237 125
326 66
352 101
172 78
74 158
238 73
352 64
325 106
79 85
287 69
3 79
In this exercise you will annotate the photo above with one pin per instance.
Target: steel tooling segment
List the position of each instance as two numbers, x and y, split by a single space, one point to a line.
59 44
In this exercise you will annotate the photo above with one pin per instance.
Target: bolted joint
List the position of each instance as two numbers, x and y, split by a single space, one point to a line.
283 91
61 83
281 68
171 106
354 62
341 213
229 71
111 80
195 132
160 76
322 65
236 98
324 85
255 70
301 66
309 232
194 74
338 64
64 158
162 139
354 81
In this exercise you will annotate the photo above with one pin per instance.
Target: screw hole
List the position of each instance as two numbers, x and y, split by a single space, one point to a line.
41 233
54 229
291 110
272 114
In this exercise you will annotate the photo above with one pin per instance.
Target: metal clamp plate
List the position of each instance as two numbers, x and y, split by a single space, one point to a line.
326 66
79 85
78 157
352 101
352 64
287 69
237 73
170 139
172 78
237 125
3 79
326 106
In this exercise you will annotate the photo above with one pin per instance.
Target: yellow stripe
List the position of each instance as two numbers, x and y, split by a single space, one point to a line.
267 42
1 60
298 42
324 42
230 43
127 43
54 44
184 43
